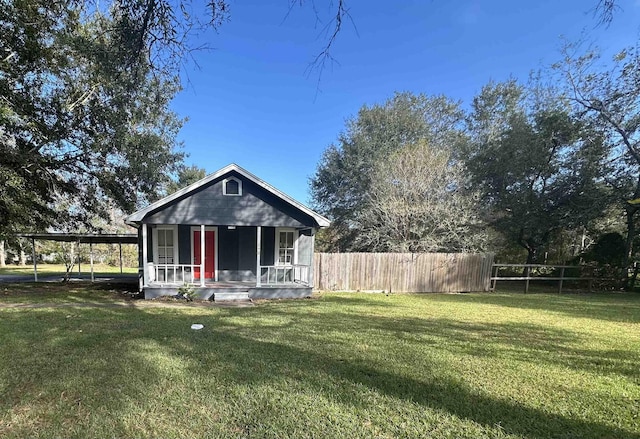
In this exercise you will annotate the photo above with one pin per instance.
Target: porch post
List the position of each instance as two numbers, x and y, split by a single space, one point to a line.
35 262
312 265
91 258
202 253
258 245
145 275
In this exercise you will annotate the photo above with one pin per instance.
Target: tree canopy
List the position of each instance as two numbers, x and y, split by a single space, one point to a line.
186 175
79 119
419 201
536 165
85 89
606 97
341 185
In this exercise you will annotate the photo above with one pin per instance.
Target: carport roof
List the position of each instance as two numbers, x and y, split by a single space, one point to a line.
85 238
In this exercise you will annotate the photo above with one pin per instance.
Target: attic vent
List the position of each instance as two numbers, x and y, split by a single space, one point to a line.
231 186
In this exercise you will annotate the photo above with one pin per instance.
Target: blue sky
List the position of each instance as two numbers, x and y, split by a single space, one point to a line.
251 103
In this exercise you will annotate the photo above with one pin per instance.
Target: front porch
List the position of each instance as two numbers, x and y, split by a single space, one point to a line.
226 262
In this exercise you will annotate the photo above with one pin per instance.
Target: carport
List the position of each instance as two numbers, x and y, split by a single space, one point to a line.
80 238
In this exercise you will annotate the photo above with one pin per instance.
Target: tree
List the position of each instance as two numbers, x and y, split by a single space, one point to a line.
418 202
340 187
605 10
85 90
78 119
607 99
537 166
186 175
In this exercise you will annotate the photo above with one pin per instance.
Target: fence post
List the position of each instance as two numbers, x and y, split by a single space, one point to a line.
526 285
561 280
494 275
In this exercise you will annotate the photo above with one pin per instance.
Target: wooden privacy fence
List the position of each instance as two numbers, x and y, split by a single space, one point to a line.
403 272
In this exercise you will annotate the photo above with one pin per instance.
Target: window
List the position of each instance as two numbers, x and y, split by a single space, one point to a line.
286 247
165 246
231 186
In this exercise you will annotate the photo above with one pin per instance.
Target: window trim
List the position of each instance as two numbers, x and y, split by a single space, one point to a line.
224 187
276 256
176 241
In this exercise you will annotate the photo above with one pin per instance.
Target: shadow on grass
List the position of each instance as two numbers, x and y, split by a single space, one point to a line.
510 340
105 369
32 292
438 393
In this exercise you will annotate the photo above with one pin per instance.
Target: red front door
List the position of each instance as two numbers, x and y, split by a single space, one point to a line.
209 254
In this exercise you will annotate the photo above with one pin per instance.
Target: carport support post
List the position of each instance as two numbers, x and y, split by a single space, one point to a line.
91 258
35 262
78 257
258 245
202 253
120 248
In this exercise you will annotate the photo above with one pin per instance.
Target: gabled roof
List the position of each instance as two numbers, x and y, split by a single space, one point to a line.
140 214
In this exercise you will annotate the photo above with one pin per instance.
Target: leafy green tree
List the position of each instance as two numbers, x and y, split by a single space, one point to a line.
607 100
79 119
85 88
608 250
186 175
536 165
341 185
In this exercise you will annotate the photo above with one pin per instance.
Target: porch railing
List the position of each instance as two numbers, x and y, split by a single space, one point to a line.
270 275
285 274
173 274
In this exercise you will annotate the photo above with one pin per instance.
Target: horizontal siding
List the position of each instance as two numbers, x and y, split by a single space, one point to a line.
256 207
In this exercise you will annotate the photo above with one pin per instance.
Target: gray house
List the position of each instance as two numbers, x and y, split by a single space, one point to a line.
231 236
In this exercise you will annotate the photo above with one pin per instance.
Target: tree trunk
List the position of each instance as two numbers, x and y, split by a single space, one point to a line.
531 255
23 256
3 255
531 251
630 212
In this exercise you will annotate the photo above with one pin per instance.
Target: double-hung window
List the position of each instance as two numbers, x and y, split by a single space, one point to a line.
286 247
166 246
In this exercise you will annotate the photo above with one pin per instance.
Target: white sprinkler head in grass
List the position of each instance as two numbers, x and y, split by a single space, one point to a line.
197 326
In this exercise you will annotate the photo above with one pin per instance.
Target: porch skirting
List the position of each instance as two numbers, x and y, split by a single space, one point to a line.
210 292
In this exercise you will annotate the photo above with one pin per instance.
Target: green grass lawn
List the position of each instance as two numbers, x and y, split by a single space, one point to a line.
81 292
341 365
53 269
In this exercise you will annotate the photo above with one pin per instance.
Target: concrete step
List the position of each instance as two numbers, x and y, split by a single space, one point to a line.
228 296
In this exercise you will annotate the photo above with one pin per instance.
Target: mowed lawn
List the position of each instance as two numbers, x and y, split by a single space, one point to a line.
60 269
337 366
